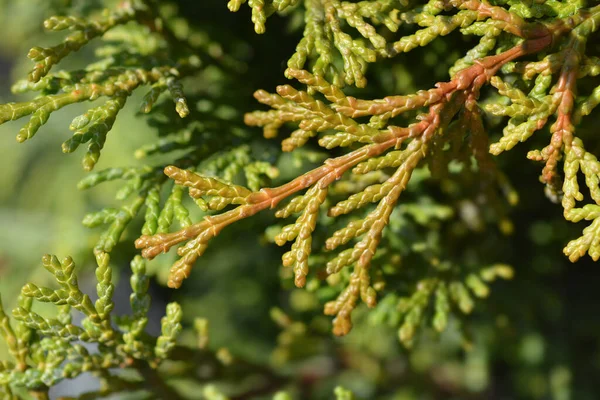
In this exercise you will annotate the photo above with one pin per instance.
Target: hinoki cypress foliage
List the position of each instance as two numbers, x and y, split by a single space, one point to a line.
390 199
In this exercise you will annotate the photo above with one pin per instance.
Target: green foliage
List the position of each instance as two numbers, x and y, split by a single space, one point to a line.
398 182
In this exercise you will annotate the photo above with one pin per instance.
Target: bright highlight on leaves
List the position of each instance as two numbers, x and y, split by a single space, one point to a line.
355 220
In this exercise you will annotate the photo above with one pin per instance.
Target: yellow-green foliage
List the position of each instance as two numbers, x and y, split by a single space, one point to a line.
524 69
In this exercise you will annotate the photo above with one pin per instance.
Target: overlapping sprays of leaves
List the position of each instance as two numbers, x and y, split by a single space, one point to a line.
385 144
48 350
449 126
140 50
44 347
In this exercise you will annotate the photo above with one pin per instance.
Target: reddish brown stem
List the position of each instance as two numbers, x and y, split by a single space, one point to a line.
469 80
265 198
514 23
562 129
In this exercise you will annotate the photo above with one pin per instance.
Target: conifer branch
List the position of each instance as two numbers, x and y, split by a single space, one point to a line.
356 217
312 115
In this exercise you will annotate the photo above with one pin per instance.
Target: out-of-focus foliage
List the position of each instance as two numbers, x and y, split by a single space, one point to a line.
425 223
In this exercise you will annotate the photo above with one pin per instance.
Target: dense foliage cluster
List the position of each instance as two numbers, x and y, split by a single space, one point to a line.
385 178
